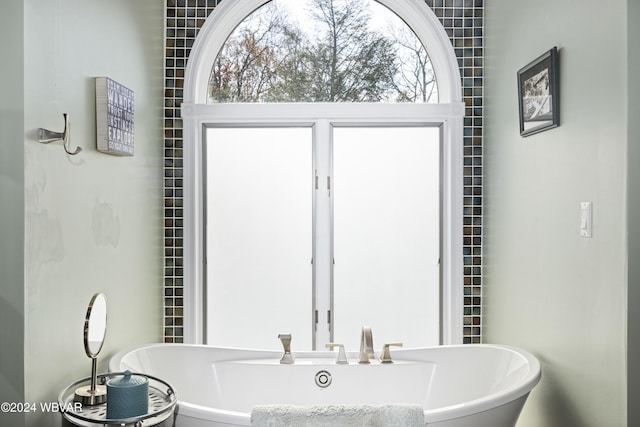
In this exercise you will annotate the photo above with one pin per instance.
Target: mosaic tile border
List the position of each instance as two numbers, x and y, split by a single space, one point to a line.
463 21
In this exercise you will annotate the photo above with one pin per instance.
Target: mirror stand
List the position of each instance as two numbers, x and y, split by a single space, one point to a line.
93 394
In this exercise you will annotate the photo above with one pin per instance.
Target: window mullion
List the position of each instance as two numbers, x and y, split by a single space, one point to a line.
322 235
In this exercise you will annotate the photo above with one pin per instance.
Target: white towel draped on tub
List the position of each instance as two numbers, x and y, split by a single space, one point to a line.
399 415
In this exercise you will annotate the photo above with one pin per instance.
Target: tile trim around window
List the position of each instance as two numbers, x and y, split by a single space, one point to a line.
463 21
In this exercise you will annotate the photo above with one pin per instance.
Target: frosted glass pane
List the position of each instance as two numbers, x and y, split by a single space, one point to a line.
258 236
387 234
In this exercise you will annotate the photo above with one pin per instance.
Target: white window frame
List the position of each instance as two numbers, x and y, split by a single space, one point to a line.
448 114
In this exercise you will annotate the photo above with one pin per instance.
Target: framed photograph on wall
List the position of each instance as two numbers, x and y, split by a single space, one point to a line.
538 94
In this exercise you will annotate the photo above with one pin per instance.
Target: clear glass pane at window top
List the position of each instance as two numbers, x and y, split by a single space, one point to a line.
322 51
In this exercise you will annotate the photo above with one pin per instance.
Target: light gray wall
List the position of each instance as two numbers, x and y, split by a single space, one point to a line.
11 208
633 162
546 289
73 226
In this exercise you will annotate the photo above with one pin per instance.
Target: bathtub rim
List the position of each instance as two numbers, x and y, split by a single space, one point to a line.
451 412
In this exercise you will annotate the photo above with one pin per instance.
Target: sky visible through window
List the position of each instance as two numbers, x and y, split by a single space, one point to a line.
322 51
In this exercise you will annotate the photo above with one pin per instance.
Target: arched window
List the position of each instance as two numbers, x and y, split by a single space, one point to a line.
315 203
322 51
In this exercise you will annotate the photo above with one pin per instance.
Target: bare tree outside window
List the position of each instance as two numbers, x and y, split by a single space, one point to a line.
326 51
415 80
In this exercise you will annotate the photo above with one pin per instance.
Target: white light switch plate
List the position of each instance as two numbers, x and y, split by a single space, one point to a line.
586 219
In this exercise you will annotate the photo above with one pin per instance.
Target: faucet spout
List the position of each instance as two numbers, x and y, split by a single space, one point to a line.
287 357
366 345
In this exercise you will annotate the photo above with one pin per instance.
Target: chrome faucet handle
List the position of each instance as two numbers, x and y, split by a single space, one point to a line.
342 355
287 357
385 357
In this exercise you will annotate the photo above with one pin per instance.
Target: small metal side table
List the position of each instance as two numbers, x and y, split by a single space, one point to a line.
162 406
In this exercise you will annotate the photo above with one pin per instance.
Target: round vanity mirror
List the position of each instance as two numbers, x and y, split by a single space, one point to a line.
95 329
95 325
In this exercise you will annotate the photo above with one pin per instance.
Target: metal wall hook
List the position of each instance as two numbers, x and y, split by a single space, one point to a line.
46 136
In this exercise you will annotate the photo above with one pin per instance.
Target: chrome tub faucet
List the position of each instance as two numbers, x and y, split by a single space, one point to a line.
366 345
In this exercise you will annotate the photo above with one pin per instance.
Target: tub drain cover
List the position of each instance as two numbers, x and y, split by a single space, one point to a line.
323 379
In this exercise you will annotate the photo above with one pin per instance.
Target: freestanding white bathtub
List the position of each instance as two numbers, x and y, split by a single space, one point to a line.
458 386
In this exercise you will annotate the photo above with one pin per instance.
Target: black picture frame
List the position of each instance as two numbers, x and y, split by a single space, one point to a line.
538 94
